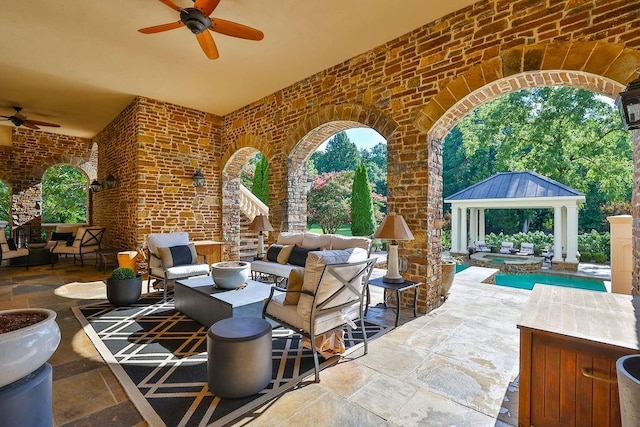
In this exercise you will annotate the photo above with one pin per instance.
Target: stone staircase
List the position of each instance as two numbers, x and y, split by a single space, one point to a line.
250 206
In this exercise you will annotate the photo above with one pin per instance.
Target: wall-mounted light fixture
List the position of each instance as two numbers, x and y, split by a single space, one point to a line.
95 186
198 179
628 102
110 182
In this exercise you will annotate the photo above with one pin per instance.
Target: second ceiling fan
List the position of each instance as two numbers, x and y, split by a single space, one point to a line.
197 20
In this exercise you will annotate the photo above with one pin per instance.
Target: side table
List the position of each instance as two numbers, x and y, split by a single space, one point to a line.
398 288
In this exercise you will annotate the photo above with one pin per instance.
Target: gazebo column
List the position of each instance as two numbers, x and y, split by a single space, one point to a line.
455 228
481 225
464 236
557 234
473 227
572 234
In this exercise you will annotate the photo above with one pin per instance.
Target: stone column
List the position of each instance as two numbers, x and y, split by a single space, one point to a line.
572 234
464 237
455 229
557 234
473 226
481 225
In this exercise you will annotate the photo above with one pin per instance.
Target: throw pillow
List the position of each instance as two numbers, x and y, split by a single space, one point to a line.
285 252
273 251
178 255
70 240
61 236
299 255
12 245
294 283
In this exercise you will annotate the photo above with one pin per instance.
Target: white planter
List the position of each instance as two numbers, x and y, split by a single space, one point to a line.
230 274
24 350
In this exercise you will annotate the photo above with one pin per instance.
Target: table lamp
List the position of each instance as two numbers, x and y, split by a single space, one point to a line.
260 223
393 228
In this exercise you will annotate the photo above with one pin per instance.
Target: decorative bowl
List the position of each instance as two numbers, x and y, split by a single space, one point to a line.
24 350
230 274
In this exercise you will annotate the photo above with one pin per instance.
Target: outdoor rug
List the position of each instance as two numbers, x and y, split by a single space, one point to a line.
159 355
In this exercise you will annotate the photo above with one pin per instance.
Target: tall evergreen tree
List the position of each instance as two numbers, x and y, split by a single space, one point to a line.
341 155
362 220
260 187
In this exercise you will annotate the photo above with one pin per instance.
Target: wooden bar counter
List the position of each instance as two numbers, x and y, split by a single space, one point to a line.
570 340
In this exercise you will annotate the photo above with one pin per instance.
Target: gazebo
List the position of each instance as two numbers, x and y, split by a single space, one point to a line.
516 190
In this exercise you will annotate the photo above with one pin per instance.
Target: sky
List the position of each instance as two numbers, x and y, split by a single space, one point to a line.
362 137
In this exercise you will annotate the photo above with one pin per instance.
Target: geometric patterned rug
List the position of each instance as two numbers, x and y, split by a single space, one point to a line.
159 355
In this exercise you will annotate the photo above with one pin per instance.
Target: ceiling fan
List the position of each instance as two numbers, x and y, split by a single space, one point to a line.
197 20
20 119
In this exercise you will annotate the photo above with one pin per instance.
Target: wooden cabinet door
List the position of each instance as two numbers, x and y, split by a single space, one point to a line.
573 382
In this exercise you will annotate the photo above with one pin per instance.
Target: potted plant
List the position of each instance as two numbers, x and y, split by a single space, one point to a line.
123 287
230 274
448 273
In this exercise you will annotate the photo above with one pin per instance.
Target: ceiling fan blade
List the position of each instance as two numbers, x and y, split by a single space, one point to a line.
234 29
39 123
172 5
160 28
6 117
30 125
207 44
206 6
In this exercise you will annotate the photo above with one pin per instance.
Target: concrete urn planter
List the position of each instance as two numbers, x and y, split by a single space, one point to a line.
24 350
230 274
448 273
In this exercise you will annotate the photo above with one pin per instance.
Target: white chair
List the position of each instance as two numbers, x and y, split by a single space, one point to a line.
8 252
481 246
87 240
506 247
172 257
526 249
331 296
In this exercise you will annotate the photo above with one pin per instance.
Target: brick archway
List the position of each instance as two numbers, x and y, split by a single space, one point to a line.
291 211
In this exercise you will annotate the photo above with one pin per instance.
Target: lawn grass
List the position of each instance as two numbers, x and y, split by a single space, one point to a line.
345 230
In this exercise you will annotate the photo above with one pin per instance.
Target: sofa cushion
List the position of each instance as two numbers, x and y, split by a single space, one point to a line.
273 251
313 272
277 269
346 242
285 253
12 245
294 283
64 237
313 240
290 238
175 256
299 255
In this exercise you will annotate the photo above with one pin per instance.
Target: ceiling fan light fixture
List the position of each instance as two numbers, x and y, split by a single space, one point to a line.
194 20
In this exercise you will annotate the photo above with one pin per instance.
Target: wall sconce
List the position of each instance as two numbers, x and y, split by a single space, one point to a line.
198 179
95 186
628 103
393 228
308 184
110 182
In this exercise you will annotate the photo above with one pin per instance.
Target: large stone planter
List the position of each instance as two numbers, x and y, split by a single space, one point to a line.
230 274
124 292
448 273
24 350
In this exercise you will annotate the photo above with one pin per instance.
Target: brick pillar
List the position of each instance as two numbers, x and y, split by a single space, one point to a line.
635 209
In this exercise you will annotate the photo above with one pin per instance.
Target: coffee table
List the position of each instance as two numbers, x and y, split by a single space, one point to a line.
199 299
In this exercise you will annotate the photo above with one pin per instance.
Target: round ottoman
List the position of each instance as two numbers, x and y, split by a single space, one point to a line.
239 356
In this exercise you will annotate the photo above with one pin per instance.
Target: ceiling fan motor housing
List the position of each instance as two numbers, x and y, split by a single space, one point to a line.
194 20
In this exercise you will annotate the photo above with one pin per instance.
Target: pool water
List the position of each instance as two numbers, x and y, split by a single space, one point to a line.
527 281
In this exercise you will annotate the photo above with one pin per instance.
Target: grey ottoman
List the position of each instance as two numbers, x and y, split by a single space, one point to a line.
239 356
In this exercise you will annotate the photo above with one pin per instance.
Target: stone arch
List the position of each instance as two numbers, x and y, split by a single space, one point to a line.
303 141
597 66
600 67
230 165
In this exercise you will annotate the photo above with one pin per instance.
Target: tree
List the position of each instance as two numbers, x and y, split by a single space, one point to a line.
375 159
328 200
362 219
5 201
260 185
64 195
340 155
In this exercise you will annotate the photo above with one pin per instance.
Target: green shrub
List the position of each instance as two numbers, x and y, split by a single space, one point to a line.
123 273
600 257
586 256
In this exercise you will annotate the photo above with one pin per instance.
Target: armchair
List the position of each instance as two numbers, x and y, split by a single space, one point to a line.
87 240
481 246
331 296
172 257
506 247
8 250
526 249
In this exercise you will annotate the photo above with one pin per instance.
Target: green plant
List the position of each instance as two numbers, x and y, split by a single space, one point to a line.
599 257
122 273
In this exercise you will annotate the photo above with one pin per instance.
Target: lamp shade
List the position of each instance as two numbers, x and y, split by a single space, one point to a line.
393 227
261 223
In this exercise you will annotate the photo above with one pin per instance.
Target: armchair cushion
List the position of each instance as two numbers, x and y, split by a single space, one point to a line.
285 253
175 256
12 245
64 237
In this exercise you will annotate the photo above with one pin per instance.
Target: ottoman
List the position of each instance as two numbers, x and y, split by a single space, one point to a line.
239 356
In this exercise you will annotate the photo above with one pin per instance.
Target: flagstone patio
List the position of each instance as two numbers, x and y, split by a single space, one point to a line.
450 367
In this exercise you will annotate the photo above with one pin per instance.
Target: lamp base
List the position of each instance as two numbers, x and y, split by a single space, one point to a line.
386 279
